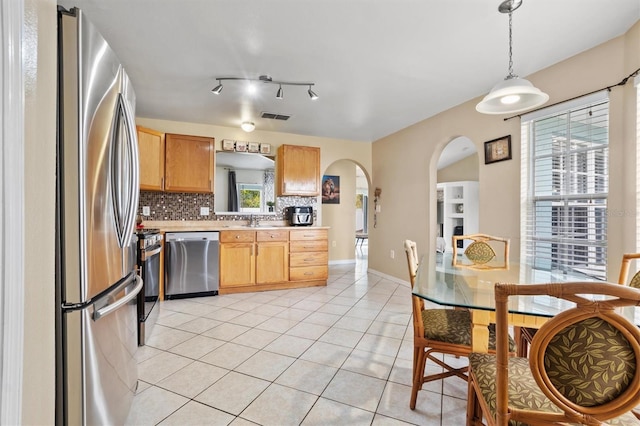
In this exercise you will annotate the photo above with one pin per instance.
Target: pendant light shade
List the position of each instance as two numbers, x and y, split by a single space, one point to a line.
513 94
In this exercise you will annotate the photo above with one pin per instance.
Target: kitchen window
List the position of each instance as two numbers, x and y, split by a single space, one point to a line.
250 197
565 186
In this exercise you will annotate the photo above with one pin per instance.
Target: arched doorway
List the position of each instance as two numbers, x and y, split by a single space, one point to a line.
457 186
345 209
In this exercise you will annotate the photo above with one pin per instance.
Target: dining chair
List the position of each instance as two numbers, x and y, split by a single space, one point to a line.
583 367
525 335
437 331
481 249
624 270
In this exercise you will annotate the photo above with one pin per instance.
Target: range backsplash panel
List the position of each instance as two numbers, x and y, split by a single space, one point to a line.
186 206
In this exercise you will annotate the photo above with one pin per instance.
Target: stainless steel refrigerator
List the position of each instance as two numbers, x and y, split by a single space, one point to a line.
96 203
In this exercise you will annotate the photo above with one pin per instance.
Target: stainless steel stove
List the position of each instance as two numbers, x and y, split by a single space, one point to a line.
149 249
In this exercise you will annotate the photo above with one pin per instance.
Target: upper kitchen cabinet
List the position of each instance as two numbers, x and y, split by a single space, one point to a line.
151 146
189 163
298 170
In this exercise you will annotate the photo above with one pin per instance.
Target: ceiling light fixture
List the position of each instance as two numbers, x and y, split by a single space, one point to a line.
266 79
248 126
513 94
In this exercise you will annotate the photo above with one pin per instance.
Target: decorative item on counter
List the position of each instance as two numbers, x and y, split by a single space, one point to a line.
265 148
271 205
241 146
139 224
254 147
228 145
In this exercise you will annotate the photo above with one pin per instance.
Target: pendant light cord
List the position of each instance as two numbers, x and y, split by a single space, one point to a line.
511 75
608 88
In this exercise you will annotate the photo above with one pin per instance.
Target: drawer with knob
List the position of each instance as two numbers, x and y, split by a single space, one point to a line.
237 236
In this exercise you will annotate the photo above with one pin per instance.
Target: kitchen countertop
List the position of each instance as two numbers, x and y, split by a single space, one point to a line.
220 225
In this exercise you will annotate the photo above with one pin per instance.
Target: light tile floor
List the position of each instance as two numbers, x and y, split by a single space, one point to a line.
334 355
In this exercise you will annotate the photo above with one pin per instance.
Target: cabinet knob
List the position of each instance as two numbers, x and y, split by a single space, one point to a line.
273 236
237 237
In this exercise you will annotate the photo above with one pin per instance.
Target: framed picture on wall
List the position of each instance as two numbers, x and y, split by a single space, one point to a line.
265 148
228 145
330 189
254 147
497 150
241 146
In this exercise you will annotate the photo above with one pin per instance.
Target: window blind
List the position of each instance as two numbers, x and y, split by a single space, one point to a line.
566 186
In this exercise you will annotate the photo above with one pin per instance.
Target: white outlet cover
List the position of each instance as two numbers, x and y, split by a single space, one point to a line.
204 211
146 211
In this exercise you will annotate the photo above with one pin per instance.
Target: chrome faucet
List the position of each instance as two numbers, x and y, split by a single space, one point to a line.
253 221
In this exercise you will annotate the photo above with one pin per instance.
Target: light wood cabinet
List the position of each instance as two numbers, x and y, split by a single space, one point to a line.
189 163
151 147
308 255
272 259
237 260
298 170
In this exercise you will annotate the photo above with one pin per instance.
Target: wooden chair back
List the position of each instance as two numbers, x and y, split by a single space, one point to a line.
585 359
482 249
624 270
411 250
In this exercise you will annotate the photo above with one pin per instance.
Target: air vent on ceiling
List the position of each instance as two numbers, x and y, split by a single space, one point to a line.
273 116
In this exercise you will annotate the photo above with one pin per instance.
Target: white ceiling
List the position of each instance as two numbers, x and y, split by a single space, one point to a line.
378 65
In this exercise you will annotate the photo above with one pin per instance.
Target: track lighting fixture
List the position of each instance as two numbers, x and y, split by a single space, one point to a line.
247 126
513 94
266 79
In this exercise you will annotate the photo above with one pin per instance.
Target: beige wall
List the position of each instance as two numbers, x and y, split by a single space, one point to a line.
465 169
342 216
39 49
331 151
404 163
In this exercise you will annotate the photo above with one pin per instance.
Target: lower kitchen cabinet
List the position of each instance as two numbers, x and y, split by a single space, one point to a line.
262 260
309 255
272 257
237 260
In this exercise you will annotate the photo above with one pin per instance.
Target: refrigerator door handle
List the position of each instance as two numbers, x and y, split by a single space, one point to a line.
125 172
134 164
112 307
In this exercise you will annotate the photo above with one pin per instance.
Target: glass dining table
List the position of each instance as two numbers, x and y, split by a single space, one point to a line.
466 285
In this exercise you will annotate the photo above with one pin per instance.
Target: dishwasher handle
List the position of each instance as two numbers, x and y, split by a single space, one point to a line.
192 236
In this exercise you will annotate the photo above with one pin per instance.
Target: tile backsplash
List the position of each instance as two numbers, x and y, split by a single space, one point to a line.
186 206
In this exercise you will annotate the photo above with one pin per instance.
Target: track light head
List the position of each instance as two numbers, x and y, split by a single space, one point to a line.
280 93
312 94
218 88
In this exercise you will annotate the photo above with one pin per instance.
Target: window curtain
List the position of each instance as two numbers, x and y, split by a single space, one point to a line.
232 203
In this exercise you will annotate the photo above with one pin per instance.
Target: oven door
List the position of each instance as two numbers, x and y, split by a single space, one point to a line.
148 306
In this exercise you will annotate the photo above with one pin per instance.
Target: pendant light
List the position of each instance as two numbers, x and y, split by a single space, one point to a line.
513 94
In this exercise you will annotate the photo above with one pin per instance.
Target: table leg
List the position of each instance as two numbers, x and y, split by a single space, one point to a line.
480 320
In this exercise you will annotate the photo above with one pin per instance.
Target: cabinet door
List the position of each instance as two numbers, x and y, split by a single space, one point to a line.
189 163
151 146
298 170
237 265
272 265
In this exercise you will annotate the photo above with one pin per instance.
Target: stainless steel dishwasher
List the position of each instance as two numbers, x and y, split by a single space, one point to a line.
191 264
